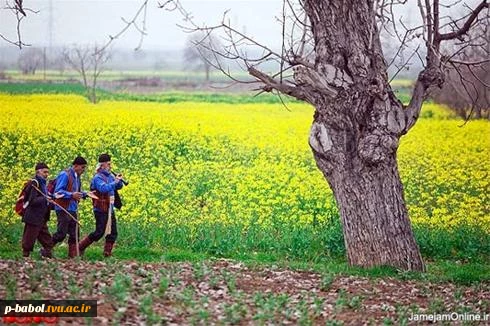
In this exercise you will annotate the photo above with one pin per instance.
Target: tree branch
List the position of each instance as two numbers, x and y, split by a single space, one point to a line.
20 12
466 27
270 84
132 22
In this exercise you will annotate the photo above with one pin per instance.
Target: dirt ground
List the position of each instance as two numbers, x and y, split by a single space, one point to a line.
229 292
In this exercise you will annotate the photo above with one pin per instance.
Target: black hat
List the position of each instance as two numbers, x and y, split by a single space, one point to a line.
79 161
104 158
41 165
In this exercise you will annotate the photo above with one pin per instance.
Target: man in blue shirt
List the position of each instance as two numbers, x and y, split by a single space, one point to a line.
68 192
104 185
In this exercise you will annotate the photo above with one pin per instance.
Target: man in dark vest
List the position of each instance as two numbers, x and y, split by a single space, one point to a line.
104 184
36 214
68 192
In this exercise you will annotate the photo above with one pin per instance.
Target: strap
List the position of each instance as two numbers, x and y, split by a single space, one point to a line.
28 187
69 186
37 182
103 202
28 184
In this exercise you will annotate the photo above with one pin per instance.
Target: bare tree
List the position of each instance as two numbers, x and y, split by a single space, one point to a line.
59 61
198 52
331 57
30 59
19 11
88 61
467 87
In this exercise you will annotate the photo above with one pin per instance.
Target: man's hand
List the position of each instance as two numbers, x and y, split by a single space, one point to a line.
119 177
77 195
92 195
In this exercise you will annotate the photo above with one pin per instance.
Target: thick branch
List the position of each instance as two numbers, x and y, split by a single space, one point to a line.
466 27
412 111
430 76
270 84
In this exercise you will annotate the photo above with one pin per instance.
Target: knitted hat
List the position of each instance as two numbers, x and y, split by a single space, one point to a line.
104 158
41 165
79 161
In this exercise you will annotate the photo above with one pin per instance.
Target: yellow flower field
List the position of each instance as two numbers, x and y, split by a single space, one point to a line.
199 163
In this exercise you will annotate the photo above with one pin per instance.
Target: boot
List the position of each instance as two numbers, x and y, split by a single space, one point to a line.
72 250
46 253
84 244
26 253
108 248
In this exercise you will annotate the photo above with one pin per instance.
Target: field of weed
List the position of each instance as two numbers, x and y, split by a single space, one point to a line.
216 176
239 180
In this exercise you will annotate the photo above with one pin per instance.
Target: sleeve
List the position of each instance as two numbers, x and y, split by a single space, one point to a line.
61 184
119 185
102 186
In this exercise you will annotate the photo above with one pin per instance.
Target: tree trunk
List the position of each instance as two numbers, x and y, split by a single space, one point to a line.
477 112
93 96
366 184
375 222
357 125
207 69
356 130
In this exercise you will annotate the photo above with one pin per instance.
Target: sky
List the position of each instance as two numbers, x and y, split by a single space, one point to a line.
91 21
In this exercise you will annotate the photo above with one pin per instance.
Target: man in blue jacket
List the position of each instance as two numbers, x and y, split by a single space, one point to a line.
104 185
36 214
68 192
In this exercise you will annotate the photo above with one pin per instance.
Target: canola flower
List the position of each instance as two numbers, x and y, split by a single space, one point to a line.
198 163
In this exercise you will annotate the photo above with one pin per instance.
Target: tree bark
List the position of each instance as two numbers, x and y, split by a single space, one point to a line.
375 221
360 166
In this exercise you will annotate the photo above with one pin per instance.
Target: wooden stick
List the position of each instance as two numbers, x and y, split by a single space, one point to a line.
68 213
55 203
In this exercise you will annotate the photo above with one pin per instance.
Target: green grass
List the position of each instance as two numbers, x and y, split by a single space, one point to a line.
42 88
437 270
111 75
167 75
317 249
34 87
461 243
167 97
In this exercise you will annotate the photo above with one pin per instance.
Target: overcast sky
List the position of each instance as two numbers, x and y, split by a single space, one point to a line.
90 21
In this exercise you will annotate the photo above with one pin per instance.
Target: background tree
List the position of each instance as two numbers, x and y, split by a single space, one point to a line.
198 52
89 62
331 57
30 60
467 87
58 61
19 11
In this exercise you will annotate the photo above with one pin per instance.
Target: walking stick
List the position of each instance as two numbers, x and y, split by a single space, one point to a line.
55 203
68 213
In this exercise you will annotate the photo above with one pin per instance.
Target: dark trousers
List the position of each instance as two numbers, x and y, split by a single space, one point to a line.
100 224
66 225
33 233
